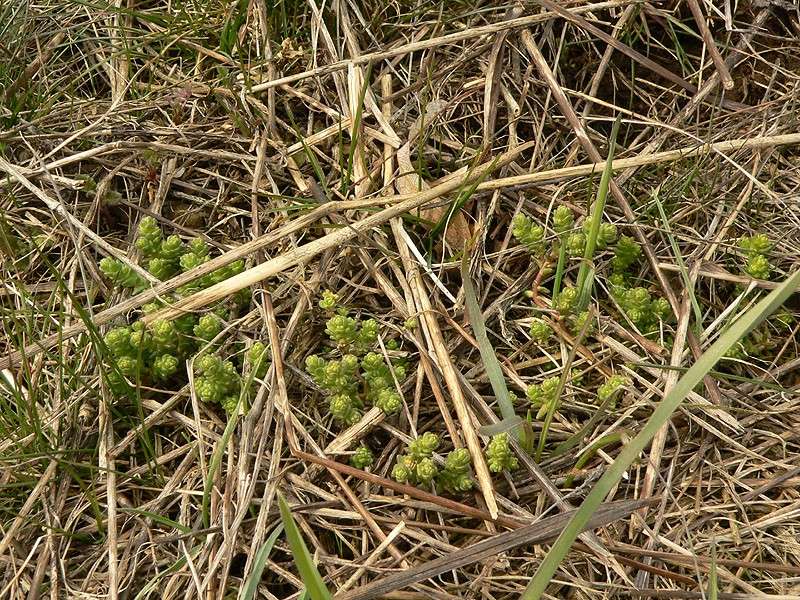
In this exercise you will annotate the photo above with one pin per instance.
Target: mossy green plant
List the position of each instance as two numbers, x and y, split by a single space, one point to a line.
540 332
529 234
362 458
154 352
359 376
543 396
418 467
756 248
610 390
499 456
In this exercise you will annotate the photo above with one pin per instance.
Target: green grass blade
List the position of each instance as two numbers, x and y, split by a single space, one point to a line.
596 213
746 323
493 370
698 314
302 557
251 585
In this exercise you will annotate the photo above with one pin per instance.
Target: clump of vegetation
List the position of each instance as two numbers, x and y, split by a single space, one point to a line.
354 375
152 353
417 466
756 248
362 458
540 332
543 396
529 234
499 456
637 302
610 390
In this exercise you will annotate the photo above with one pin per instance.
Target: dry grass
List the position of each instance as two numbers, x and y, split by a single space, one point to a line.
362 147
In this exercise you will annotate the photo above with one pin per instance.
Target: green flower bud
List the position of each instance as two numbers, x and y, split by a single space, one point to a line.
128 365
315 366
529 234
341 329
566 300
401 473
576 244
190 260
258 357
171 248
118 341
458 460
544 395
424 446
368 334
149 239
198 247
164 334
343 409
121 274
661 308
626 253
757 267
756 244
606 235
229 403
161 268
208 327
455 476
389 401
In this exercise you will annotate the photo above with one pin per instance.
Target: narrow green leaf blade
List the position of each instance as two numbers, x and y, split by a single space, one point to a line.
251 585
302 557
751 319
493 370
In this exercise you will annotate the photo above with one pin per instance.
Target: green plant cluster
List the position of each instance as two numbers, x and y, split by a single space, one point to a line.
350 381
217 381
643 310
540 332
499 456
153 352
543 395
756 248
362 458
639 304
626 253
529 234
164 258
609 391
576 241
417 466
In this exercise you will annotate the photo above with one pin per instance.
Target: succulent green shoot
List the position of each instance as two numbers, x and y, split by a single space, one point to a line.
626 252
362 458
609 391
540 332
120 274
499 456
455 476
529 234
